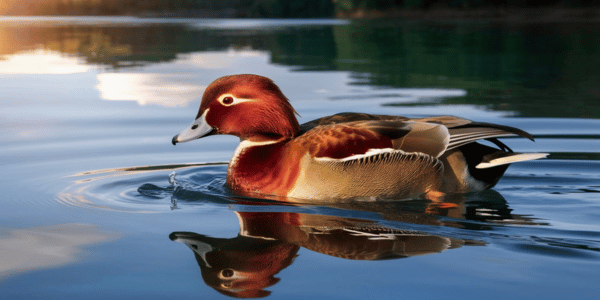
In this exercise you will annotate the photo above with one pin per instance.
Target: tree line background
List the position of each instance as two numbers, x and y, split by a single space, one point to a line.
265 8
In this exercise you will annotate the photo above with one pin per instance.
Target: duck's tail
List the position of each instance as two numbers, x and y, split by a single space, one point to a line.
475 167
499 158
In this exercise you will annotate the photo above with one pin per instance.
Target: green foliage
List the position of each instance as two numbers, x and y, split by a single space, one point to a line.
354 5
344 5
290 8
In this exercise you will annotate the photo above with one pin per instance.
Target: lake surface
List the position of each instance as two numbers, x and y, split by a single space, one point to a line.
97 204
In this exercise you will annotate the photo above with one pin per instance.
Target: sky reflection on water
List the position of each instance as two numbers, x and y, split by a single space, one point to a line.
42 62
33 249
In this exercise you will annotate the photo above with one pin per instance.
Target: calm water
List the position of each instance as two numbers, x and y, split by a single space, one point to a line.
96 203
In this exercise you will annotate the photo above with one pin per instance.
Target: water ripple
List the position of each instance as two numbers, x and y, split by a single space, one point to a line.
147 189
478 219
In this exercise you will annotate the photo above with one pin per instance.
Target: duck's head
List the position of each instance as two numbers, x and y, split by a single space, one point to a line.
248 106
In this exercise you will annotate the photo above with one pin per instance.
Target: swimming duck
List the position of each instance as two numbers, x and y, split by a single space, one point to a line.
347 155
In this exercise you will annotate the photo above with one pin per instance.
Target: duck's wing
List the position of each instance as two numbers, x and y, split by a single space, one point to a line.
460 131
347 117
347 139
464 131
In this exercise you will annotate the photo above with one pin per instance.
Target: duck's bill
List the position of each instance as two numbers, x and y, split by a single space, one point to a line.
195 242
199 128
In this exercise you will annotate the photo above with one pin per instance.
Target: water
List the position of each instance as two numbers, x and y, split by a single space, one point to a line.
96 203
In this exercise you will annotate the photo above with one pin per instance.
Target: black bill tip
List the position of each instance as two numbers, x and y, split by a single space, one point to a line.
174 140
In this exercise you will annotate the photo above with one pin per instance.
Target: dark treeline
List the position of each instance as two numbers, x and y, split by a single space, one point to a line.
272 8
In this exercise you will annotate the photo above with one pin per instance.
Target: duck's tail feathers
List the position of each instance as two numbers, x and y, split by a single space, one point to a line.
484 166
504 158
471 132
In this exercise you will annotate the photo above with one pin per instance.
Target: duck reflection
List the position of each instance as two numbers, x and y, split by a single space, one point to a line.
241 267
268 241
477 211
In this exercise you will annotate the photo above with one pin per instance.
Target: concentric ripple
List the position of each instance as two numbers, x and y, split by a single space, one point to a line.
148 189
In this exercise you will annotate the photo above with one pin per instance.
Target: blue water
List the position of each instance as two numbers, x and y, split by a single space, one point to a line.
96 203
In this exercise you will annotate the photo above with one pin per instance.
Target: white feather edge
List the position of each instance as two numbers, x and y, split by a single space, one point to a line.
484 165
510 159
370 152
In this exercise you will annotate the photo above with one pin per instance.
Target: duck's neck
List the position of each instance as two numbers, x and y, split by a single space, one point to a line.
263 167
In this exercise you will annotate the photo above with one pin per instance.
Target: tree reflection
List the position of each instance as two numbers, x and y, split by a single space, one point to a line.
528 70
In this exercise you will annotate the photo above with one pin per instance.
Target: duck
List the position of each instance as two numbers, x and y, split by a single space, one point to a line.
346 156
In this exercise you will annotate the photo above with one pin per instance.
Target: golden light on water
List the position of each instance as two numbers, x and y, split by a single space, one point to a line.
43 7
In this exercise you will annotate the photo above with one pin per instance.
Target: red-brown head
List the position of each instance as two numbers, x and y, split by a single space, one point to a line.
248 106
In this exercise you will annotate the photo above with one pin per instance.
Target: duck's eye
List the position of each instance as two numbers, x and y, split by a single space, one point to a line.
227 100
194 126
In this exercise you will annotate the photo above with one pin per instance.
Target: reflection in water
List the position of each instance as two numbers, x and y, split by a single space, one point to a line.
499 66
241 267
166 89
147 88
271 235
218 59
90 43
268 241
25 250
42 62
